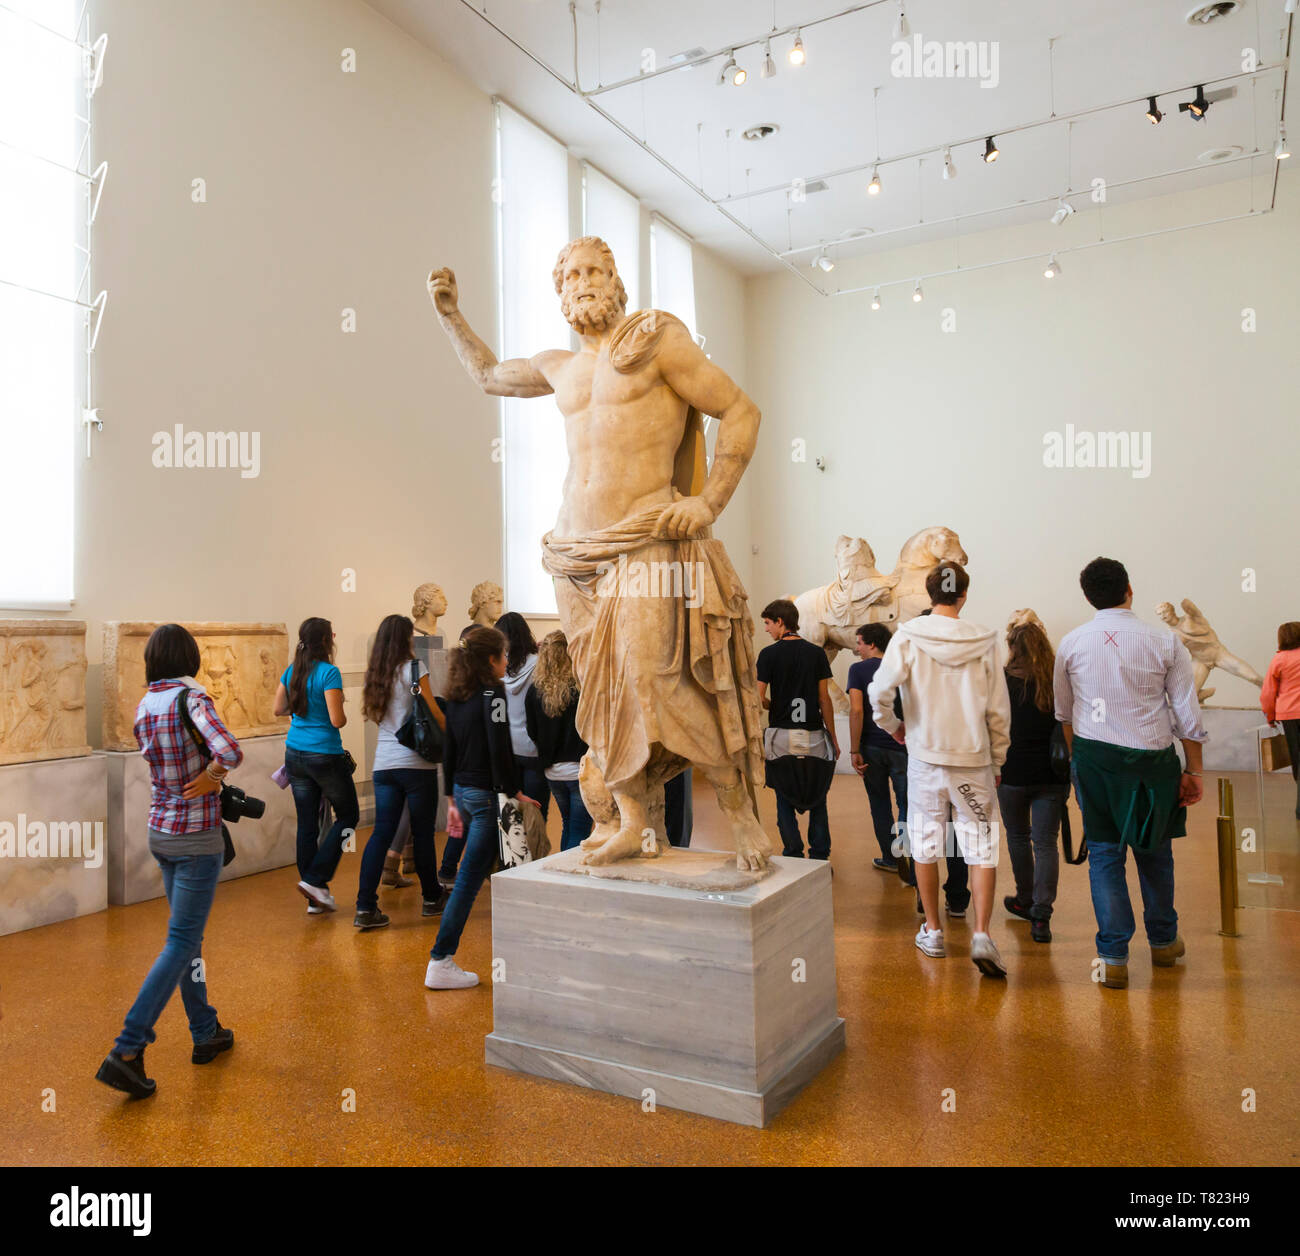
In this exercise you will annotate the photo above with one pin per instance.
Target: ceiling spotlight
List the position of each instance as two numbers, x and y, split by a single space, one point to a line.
990 150
738 75
1153 114
731 72
1053 268
797 54
769 66
901 27
917 294
949 170
1281 150
1198 107
875 300
873 188
824 262
1063 210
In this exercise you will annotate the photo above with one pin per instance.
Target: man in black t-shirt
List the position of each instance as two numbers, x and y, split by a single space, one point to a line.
799 743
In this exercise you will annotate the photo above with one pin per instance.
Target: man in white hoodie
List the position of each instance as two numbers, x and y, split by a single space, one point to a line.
957 717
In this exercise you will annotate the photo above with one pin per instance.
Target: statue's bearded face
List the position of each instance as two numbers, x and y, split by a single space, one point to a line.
590 292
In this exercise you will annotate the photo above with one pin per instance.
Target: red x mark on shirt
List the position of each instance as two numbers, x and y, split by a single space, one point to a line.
1110 640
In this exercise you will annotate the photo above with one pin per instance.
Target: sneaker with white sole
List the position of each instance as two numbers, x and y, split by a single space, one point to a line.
930 942
446 974
314 909
984 955
315 894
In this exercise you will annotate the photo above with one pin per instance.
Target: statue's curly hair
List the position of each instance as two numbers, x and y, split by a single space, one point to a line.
557 275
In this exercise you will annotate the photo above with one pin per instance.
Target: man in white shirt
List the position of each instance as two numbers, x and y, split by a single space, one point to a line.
1124 694
957 719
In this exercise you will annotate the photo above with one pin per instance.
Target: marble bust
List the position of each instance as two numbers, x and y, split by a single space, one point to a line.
1203 644
428 605
486 603
657 620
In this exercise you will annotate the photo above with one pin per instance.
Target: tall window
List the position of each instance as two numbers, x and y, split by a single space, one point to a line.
672 273
533 225
43 303
614 215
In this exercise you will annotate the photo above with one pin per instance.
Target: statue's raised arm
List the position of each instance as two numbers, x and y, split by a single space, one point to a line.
516 377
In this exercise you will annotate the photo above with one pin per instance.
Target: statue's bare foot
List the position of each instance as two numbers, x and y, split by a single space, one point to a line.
753 846
600 835
625 844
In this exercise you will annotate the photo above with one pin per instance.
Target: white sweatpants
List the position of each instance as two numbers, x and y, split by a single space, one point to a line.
977 823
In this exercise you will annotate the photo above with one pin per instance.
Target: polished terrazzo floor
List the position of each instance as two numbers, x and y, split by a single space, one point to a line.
1046 1068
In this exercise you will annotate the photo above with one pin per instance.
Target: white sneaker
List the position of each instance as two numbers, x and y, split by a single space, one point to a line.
930 942
446 974
314 909
314 894
984 955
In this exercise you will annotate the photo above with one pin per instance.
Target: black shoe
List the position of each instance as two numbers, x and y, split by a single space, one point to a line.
957 913
884 865
127 1075
373 919
434 907
448 883
1015 907
907 878
205 1052
1040 930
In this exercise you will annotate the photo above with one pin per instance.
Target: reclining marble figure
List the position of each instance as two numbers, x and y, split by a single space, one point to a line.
657 619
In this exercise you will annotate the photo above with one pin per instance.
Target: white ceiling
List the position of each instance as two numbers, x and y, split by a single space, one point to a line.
1105 51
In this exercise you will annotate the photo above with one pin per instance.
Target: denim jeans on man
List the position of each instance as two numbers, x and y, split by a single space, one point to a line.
575 819
819 829
884 766
396 789
478 808
312 776
190 882
1114 908
1031 816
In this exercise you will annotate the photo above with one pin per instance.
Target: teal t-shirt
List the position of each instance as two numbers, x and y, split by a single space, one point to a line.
313 732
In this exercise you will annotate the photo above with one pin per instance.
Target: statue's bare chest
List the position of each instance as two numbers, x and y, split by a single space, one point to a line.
590 383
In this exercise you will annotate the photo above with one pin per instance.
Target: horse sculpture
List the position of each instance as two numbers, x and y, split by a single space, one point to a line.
829 616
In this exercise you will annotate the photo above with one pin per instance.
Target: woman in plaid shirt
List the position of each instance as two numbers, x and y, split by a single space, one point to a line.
185 839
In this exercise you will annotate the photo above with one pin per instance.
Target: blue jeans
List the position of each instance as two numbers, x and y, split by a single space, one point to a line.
575 819
533 783
478 808
396 789
819 829
311 776
1031 817
190 882
886 765
1114 909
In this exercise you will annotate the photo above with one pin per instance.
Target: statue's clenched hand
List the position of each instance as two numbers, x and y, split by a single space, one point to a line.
443 291
687 517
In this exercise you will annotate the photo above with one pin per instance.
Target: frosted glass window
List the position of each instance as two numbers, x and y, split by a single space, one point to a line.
672 273
615 215
42 225
533 226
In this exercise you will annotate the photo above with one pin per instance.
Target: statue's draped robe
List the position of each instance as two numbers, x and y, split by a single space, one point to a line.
663 684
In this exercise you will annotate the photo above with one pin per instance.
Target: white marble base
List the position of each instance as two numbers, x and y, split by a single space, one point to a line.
39 890
722 1004
1233 746
270 842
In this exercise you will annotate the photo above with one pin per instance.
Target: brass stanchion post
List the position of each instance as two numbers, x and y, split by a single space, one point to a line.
1227 826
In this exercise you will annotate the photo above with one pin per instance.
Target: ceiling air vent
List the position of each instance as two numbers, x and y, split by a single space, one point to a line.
1204 14
762 131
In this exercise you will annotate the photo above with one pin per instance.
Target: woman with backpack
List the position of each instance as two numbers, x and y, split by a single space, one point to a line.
402 778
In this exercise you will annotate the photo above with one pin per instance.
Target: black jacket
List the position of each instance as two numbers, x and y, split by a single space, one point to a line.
477 752
555 736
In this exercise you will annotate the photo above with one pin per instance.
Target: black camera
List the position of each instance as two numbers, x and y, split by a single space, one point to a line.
235 805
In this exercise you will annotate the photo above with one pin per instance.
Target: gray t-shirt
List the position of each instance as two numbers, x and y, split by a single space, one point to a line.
390 754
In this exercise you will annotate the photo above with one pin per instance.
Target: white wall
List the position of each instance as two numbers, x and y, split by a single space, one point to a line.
923 427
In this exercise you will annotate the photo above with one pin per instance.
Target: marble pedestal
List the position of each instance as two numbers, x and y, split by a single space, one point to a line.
260 845
722 1004
70 877
1233 745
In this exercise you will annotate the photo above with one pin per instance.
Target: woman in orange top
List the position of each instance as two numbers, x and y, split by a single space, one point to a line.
1280 696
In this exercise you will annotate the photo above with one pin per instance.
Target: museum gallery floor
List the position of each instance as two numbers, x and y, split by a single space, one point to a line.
1045 1068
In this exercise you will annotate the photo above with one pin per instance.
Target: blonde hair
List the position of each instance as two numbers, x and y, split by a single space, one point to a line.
1030 656
553 677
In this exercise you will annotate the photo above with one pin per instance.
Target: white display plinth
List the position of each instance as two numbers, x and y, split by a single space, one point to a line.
1233 744
260 845
41 801
717 1003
